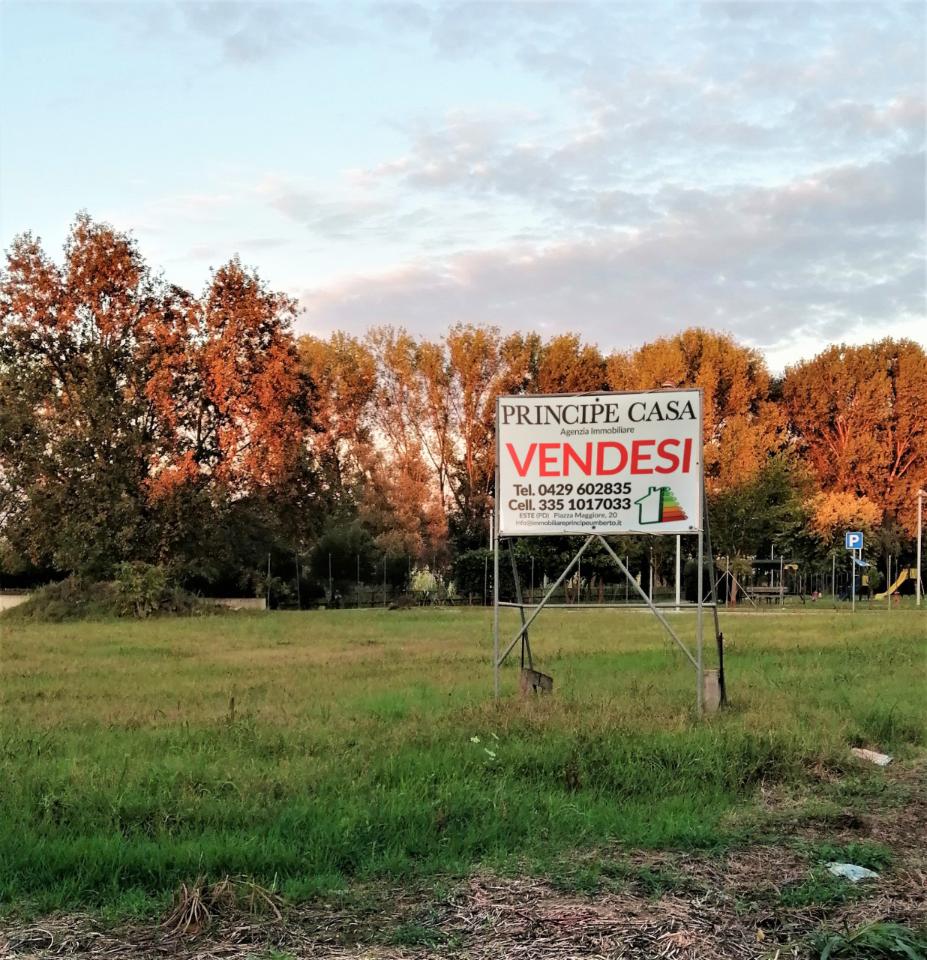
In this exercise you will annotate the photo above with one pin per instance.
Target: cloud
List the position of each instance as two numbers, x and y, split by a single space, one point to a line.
235 32
226 250
630 168
253 32
332 219
342 216
820 256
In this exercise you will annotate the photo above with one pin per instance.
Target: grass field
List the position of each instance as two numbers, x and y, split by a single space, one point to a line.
308 750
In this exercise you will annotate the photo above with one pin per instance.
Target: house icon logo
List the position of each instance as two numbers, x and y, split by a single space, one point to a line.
659 505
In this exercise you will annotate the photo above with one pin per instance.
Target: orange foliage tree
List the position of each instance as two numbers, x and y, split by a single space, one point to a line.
228 383
343 375
742 426
567 365
118 391
435 404
834 512
858 413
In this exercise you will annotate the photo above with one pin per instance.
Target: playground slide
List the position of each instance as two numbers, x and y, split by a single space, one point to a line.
910 572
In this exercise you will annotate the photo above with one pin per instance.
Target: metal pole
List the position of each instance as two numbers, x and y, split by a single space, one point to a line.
781 580
494 546
678 568
853 581
532 578
299 601
495 616
888 582
719 636
920 506
833 576
651 572
486 578
699 625
627 561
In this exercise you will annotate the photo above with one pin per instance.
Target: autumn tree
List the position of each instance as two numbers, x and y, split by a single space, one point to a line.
407 475
858 413
567 365
399 508
834 512
229 387
436 401
478 373
78 431
742 426
132 413
343 374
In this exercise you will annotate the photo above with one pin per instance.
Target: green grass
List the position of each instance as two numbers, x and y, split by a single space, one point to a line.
309 750
873 856
874 941
819 889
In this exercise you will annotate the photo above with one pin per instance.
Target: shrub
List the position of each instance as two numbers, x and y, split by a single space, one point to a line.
140 590
73 598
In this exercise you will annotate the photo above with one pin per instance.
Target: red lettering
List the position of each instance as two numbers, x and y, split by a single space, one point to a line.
522 468
665 453
639 457
569 454
608 457
549 460
600 468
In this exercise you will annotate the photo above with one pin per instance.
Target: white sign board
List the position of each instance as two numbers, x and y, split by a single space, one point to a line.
599 463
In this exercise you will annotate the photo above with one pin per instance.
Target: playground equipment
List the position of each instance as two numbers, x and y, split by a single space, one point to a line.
771 581
909 573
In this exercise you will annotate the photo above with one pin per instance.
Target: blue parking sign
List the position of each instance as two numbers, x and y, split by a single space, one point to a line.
854 540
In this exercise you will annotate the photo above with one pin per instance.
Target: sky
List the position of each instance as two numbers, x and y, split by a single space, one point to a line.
622 171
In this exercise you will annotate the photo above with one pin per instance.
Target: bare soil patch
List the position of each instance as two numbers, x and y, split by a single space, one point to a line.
727 907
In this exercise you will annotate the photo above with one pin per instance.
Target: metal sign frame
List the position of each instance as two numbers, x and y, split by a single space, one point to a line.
533 610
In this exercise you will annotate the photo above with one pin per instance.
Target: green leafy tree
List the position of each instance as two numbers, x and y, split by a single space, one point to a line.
768 510
133 416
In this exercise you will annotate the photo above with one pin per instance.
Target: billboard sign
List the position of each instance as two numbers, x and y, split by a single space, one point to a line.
599 463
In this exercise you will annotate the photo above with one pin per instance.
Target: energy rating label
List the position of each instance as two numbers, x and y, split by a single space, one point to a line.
659 505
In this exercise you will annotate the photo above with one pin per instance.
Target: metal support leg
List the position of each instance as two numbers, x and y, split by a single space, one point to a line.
495 615
699 624
719 637
501 658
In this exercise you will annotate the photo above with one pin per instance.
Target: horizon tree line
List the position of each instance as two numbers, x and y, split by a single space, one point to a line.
139 421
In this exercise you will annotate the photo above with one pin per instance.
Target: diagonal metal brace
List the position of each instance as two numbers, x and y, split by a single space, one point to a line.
647 600
527 623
